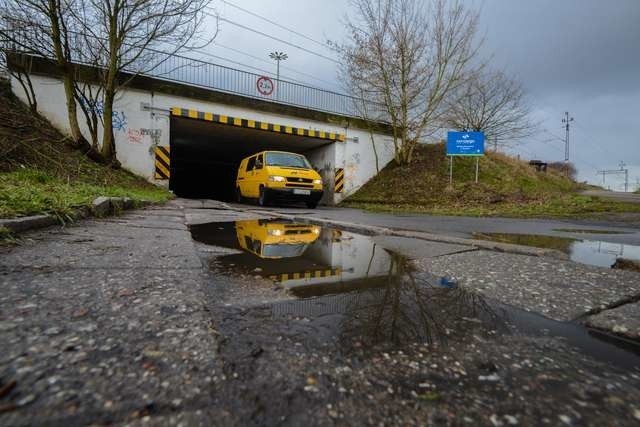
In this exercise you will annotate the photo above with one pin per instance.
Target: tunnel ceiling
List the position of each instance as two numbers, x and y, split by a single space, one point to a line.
232 143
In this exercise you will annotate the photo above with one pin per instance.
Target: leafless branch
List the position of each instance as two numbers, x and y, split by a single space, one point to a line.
408 56
491 103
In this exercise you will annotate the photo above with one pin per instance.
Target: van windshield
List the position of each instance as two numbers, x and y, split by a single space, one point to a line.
288 160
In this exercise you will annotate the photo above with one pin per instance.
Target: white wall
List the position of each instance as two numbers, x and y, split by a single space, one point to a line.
359 159
357 257
137 131
323 159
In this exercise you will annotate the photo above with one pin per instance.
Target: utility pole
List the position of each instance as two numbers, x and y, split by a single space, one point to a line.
622 170
626 175
566 120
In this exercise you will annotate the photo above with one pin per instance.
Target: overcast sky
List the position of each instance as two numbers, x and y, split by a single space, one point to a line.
581 56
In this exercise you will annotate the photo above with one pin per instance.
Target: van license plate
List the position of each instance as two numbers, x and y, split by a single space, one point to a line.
304 192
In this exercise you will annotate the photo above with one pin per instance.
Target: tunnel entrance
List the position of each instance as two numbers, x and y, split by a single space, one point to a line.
205 154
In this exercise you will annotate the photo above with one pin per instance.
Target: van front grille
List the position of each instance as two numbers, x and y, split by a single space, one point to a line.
295 232
295 179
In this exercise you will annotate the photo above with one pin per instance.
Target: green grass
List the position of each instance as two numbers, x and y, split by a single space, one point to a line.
507 187
41 173
30 191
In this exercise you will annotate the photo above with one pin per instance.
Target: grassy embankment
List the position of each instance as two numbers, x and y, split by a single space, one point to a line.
507 187
41 173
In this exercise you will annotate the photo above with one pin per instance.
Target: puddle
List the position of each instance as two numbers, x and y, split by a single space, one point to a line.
352 293
294 255
591 252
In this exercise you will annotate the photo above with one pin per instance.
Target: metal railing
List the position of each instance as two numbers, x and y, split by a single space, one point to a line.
196 72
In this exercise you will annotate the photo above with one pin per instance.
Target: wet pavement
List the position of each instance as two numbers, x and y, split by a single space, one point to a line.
193 314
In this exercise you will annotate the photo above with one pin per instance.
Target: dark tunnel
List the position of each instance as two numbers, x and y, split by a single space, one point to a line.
205 155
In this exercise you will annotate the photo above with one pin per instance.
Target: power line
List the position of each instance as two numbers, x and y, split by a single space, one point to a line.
594 143
270 63
553 134
244 27
276 24
261 70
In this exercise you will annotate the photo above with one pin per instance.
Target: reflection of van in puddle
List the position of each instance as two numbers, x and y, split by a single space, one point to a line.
269 239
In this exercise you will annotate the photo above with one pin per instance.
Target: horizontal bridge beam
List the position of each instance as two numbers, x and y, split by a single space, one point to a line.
254 124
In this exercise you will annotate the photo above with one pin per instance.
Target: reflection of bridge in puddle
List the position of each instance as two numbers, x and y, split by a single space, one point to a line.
352 288
295 255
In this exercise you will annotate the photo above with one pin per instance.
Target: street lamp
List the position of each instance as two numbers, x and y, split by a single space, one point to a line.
278 56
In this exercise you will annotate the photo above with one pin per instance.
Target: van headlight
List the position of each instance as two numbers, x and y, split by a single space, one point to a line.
274 232
276 178
317 181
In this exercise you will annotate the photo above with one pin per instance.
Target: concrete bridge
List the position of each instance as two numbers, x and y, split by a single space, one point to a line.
187 125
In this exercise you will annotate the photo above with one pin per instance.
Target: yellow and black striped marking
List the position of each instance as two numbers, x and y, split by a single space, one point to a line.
254 124
315 274
339 181
163 162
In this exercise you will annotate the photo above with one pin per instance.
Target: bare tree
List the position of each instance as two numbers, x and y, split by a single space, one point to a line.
122 36
408 56
491 103
43 28
19 70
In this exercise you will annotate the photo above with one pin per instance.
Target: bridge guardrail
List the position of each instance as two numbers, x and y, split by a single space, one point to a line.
203 74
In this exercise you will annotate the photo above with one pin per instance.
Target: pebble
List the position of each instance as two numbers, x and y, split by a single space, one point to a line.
492 377
511 420
497 422
26 400
565 419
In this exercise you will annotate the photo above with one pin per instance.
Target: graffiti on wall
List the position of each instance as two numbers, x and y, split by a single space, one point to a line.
118 121
134 136
118 118
137 136
154 134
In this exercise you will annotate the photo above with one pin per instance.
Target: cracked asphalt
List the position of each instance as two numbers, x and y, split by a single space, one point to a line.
129 321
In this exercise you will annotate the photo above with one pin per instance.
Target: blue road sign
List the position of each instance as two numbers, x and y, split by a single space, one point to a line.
465 144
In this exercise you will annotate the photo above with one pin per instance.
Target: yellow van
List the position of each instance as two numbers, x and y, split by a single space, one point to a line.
275 239
277 176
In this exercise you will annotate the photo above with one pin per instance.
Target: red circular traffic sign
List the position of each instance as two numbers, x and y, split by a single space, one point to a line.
265 85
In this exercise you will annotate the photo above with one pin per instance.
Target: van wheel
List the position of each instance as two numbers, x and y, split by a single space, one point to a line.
262 199
312 205
239 197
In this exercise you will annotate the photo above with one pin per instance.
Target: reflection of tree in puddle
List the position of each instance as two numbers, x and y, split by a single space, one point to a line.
412 307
